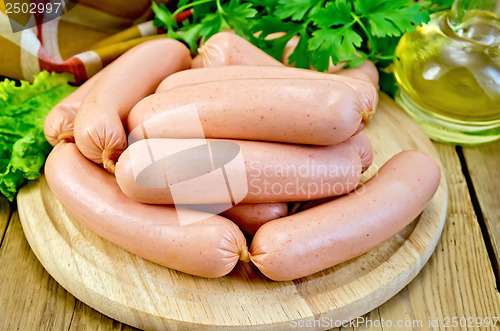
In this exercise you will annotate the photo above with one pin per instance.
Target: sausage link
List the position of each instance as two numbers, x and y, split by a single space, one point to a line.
366 71
256 172
362 144
210 247
227 48
196 62
248 216
58 125
336 231
365 90
99 131
303 111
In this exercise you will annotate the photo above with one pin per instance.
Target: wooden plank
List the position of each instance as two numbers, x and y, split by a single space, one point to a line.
86 318
30 298
458 281
367 322
483 164
4 216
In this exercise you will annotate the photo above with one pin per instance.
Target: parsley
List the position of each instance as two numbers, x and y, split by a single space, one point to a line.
349 31
209 17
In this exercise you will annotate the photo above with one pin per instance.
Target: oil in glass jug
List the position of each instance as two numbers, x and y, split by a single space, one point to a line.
448 72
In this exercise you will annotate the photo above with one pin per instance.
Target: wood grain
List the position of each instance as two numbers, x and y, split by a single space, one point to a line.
32 300
148 296
86 318
483 163
458 280
4 216
48 305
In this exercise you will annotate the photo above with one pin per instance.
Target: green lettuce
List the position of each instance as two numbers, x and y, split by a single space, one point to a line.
23 147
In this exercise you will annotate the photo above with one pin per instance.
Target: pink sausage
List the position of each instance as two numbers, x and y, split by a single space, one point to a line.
58 125
248 216
366 92
196 63
158 171
227 48
362 144
303 111
323 236
210 247
99 131
366 71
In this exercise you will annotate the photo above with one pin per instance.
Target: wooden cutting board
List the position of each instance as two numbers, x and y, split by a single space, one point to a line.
148 296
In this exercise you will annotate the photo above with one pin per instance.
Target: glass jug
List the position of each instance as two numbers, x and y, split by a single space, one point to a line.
448 72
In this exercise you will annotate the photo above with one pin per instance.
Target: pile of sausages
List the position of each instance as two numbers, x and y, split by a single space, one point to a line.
291 129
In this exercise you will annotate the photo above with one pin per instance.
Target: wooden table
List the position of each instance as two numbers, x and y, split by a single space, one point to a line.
460 280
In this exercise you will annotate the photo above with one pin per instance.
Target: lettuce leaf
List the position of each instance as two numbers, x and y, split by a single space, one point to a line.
23 148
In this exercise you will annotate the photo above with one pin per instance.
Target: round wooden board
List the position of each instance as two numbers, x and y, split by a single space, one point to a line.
148 296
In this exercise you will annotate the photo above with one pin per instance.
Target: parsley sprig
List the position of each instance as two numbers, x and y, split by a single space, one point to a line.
348 31
209 17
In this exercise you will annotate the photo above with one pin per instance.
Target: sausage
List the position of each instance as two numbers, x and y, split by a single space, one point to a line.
58 125
180 171
196 62
366 92
210 247
323 236
303 111
248 216
366 71
99 131
227 48
363 146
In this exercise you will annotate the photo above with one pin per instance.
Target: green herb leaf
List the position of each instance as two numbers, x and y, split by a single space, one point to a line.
392 17
276 46
388 83
210 25
339 43
334 13
163 17
268 25
300 56
239 16
296 10
366 6
191 35
23 109
338 30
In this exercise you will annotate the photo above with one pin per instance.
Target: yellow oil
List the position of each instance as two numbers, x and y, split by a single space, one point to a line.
450 78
